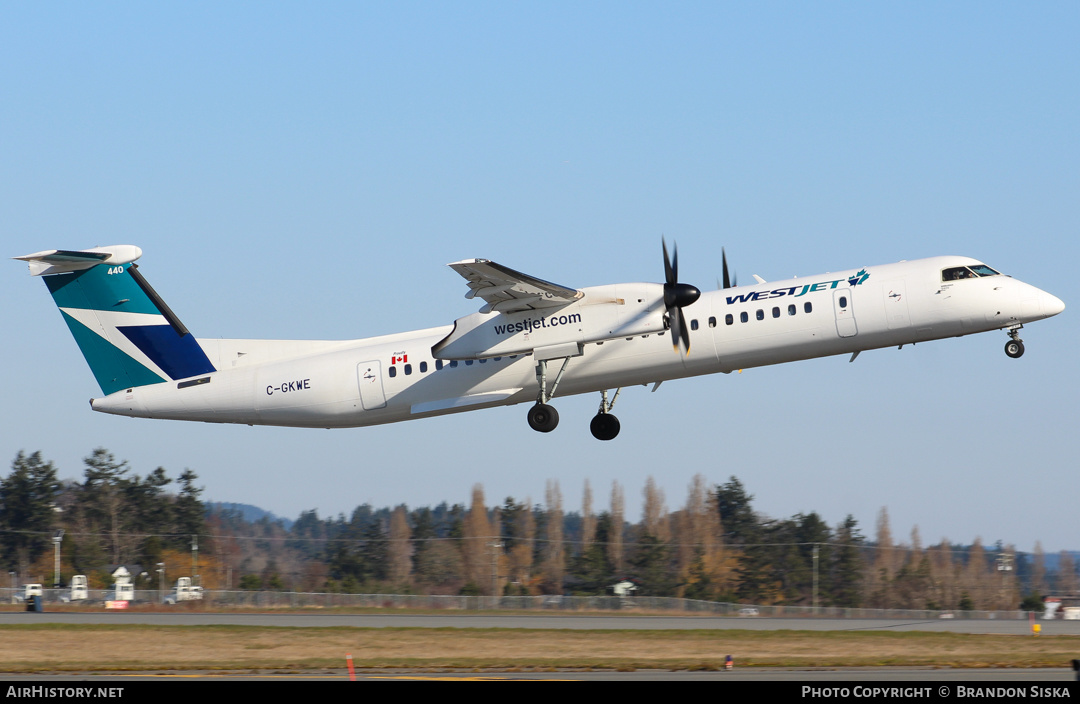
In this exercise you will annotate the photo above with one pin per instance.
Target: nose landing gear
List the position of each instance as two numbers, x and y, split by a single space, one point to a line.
1015 346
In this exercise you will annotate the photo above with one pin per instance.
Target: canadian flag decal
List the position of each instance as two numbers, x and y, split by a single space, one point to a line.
403 358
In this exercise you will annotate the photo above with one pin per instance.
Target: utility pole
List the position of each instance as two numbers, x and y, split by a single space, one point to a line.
815 597
495 545
195 561
57 538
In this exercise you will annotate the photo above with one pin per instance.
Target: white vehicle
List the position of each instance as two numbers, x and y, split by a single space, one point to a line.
30 590
595 339
123 591
183 591
78 590
749 611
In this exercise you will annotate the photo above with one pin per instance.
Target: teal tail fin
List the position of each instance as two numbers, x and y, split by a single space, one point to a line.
128 335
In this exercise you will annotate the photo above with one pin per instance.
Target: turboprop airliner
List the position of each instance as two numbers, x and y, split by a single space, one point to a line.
530 340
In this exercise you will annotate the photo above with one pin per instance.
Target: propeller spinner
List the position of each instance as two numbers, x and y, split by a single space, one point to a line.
676 297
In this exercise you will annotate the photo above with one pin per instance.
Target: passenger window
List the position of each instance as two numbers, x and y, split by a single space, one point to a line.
453 364
392 372
843 301
693 324
744 316
760 314
776 312
408 369
791 309
468 362
482 361
438 364
729 318
712 322
807 307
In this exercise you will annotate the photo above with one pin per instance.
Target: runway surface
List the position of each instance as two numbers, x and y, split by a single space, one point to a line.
541 621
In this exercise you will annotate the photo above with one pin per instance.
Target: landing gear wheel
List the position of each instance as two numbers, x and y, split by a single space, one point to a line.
1014 348
604 426
543 418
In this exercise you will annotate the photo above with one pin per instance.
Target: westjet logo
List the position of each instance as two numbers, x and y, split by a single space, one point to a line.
529 324
855 280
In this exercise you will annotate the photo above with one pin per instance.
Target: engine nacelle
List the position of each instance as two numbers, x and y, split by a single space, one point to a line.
603 313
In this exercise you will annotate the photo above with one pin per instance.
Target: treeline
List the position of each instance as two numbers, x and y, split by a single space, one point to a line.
715 546
112 517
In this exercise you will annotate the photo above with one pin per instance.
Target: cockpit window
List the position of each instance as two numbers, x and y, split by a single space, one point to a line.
967 272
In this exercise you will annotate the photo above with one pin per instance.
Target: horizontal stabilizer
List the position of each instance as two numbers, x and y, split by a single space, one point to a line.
62 261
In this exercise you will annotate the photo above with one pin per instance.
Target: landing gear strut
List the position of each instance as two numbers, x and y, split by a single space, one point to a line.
1015 346
543 418
605 426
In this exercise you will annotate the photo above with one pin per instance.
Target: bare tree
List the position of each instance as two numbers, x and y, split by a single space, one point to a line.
588 518
1067 581
400 556
521 554
475 549
615 539
1039 583
555 557
974 580
655 517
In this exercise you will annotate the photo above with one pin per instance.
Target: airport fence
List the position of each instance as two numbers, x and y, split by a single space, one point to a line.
639 604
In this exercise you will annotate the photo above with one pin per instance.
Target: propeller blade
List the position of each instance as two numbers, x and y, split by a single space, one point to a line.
723 259
671 273
675 327
684 332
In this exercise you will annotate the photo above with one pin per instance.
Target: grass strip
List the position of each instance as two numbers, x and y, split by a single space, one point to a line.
140 647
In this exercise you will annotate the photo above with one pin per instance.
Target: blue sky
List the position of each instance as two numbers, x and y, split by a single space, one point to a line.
297 170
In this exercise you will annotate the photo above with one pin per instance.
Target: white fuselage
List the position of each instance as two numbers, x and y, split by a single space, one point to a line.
397 377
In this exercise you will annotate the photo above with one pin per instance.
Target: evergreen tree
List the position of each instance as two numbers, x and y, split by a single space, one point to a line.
189 510
650 566
737 517
594 566
846 569
27 518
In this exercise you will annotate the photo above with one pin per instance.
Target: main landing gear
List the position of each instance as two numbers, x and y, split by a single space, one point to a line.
1015 346
543 417
605 426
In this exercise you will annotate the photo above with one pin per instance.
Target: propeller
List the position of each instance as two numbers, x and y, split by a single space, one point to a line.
676 297
728 281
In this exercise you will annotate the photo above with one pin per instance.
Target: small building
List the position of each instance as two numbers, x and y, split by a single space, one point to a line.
123 587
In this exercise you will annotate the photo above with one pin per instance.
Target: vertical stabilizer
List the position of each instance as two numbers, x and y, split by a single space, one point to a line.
127 334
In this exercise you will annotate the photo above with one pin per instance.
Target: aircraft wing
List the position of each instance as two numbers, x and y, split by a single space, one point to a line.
507 291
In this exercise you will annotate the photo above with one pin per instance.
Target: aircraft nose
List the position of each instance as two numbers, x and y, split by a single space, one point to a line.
1051 305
